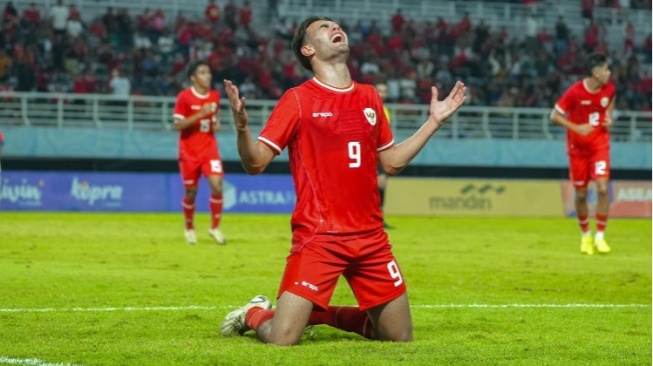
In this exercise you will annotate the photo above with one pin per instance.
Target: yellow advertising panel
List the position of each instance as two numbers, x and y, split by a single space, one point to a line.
473 197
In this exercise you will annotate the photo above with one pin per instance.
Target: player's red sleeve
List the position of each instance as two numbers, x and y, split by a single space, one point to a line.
565 102
182 107
385 139
282 122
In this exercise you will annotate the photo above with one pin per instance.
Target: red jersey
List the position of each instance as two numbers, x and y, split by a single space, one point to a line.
198 139
582 106
333 137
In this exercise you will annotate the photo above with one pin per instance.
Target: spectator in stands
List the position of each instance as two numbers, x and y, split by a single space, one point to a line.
561 36
587 10
245 15
212 14
74 26
32 16
156 26
397 21
59 17
10 14
5 65
230 15
120 88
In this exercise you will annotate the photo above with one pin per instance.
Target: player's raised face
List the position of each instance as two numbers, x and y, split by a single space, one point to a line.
602 73
327 36
202 77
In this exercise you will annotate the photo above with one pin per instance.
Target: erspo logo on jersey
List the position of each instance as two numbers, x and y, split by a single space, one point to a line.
322 114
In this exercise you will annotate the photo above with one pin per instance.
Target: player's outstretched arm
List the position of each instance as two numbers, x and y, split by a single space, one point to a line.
254 155
397 158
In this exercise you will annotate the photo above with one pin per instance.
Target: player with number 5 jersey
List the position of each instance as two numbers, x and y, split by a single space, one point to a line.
585 110
197 118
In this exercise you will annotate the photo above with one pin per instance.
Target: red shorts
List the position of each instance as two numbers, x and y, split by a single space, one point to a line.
367 263
593 166
191 168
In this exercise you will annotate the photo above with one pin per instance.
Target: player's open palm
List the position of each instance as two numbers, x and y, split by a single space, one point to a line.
237 105
441 109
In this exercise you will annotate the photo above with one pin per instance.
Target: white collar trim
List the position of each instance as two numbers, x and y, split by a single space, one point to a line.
339 90
197 94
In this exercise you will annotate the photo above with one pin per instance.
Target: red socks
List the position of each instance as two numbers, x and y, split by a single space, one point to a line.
215 203
189 210
347 318
601 222
256 316
584 223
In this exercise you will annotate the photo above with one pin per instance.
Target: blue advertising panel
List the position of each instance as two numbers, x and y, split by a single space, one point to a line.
138 192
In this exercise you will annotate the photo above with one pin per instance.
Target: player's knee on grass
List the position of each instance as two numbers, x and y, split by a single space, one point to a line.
396 333
285 335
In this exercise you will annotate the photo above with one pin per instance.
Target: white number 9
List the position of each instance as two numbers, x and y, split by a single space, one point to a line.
393 269
354 148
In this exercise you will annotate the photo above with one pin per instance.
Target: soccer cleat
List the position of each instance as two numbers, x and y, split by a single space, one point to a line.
191 238
217 236
601 246
309 332
586 245
234 323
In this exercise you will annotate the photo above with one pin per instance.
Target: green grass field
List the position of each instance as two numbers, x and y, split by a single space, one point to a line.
124 289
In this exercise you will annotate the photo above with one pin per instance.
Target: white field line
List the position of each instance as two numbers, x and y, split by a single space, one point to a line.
423 306
29 361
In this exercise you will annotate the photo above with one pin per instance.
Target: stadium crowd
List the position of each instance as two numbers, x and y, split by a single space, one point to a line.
56 50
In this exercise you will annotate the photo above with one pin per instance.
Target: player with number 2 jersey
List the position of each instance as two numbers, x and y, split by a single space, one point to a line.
585 110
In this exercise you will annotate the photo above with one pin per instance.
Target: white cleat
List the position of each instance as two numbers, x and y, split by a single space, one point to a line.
234 323
191 238
217 236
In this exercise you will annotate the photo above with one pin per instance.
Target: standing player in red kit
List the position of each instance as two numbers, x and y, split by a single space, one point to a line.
585 110
197 118
336 133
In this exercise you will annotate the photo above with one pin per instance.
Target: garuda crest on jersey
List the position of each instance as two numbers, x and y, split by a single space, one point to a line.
605 101
370 115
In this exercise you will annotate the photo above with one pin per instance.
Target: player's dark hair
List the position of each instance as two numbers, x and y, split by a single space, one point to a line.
298 40
192 68
593 60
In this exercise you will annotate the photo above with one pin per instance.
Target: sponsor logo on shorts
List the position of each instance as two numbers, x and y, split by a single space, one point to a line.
311 286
